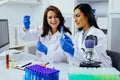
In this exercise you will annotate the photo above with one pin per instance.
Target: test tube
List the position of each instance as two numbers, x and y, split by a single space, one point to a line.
7 61
12 62
62 30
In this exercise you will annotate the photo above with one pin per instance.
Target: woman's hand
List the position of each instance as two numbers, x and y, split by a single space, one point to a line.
67 44
41 47
26 22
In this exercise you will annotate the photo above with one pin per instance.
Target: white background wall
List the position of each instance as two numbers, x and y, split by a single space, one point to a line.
15 13
39 12
101 8
65 6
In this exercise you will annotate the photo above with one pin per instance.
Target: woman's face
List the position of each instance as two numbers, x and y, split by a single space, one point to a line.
79 18
53 20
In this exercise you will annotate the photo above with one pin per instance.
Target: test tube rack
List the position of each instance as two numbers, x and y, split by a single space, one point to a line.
93 74
37 72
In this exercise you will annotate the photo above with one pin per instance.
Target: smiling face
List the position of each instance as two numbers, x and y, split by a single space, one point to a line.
79 18
53 20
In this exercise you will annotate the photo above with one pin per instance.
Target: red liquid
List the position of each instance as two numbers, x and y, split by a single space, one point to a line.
7 61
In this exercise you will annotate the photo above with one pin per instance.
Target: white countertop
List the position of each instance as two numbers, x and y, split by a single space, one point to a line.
16 74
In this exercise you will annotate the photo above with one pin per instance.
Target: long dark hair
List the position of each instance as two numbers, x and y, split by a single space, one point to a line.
88 12
46 26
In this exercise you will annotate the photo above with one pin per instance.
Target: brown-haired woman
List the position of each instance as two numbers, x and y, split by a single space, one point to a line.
48 46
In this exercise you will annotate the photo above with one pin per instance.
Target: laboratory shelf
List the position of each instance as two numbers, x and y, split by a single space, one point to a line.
90 0
20 2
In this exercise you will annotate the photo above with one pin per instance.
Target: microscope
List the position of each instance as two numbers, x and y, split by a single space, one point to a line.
90 42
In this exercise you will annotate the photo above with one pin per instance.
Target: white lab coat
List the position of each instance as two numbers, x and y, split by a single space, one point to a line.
52 42
99 50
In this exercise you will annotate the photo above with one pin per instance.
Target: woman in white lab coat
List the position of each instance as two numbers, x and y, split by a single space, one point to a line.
49 35
86 23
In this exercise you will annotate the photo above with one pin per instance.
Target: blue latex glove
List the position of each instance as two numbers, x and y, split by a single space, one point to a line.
26 22
41 47
67 44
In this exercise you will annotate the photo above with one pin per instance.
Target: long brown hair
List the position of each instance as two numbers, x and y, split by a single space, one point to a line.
46 27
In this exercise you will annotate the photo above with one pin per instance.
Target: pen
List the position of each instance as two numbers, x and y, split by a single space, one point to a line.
26 64
47 63
19 68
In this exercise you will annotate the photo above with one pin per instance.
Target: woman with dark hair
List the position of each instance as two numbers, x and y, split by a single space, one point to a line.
48 37
87 25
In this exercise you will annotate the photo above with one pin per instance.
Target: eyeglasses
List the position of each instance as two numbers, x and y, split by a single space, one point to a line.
77 15
50 18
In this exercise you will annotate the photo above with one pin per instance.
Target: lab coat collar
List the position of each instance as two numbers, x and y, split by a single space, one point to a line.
89 30
84 34
54 35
